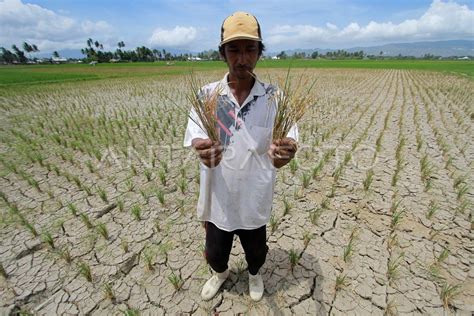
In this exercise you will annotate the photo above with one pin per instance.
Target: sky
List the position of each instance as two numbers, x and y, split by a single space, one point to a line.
195 25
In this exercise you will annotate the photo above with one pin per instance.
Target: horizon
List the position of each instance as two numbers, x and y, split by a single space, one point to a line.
76 53
194 26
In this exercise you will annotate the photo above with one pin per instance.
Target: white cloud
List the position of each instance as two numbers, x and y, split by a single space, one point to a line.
179 37
29 22
331 26
442 20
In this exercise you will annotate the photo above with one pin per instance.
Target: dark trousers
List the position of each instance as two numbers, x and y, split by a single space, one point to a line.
219 245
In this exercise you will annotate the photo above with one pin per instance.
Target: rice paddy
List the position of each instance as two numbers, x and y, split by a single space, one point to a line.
373 217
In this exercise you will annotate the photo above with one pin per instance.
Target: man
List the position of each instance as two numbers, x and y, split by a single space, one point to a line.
238 172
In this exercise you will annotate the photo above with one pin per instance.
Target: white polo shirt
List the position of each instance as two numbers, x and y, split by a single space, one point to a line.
238 193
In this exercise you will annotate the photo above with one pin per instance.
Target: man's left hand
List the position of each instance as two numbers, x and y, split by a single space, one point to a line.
282 151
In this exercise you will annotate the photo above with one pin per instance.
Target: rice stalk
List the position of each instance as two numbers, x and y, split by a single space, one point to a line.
109 291
293 98
307 236
325 203
85 271
463 207
341 282
149 256
240 265
131 312
65 254
368 179
48 239
349 248
305 180
314 215
183 185
204 106
435 273
273 223
85 219
287 206
124 245
120 205
3 273
136 212
72 208
391 309
293 166
448 292
148 174
317 169
160 194
396 218
102 230
432 209
294 257
102 194
162 176
462 191
30 228
393 266
176 281
442 256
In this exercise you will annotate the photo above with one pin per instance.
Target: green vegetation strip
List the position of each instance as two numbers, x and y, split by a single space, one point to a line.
450 66
19 75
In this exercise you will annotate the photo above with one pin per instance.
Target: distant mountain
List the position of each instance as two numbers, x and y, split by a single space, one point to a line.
418 49
66 53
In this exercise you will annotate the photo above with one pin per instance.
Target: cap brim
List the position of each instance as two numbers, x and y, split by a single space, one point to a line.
240 37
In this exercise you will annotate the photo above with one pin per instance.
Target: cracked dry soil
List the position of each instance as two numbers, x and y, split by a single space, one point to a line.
374 217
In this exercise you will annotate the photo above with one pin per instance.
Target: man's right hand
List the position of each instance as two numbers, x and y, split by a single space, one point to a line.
208 151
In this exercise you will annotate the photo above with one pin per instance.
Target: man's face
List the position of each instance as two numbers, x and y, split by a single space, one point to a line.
241 58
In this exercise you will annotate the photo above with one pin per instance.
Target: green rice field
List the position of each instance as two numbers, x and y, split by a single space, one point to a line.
20 75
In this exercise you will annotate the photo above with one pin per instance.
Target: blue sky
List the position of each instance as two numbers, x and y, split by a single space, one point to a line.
195 25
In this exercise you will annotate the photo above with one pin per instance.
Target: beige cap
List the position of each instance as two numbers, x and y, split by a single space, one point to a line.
240 25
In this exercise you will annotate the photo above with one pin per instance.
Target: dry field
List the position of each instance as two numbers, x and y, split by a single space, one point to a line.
97 208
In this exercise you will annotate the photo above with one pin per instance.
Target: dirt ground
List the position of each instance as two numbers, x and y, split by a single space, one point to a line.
374 217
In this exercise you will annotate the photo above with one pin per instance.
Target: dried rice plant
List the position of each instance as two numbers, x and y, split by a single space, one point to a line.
293 98
204 105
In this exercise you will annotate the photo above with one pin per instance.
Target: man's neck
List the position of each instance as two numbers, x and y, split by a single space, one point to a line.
240 88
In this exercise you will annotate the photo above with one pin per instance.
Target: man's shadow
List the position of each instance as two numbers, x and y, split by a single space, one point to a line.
285 287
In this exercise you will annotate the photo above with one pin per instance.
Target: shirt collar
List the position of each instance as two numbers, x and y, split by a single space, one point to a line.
258 88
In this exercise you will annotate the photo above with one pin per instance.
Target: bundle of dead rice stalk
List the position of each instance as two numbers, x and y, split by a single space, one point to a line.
293 98
204 105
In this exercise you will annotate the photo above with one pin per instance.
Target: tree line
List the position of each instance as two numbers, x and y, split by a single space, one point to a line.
95 52
339 54
17 55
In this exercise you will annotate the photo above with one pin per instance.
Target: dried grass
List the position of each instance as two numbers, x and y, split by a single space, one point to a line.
294 97
204 105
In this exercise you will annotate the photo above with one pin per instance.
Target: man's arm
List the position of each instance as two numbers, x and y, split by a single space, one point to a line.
208 151
282 151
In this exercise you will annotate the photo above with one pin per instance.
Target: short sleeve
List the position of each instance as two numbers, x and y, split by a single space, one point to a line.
194 129
293 133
